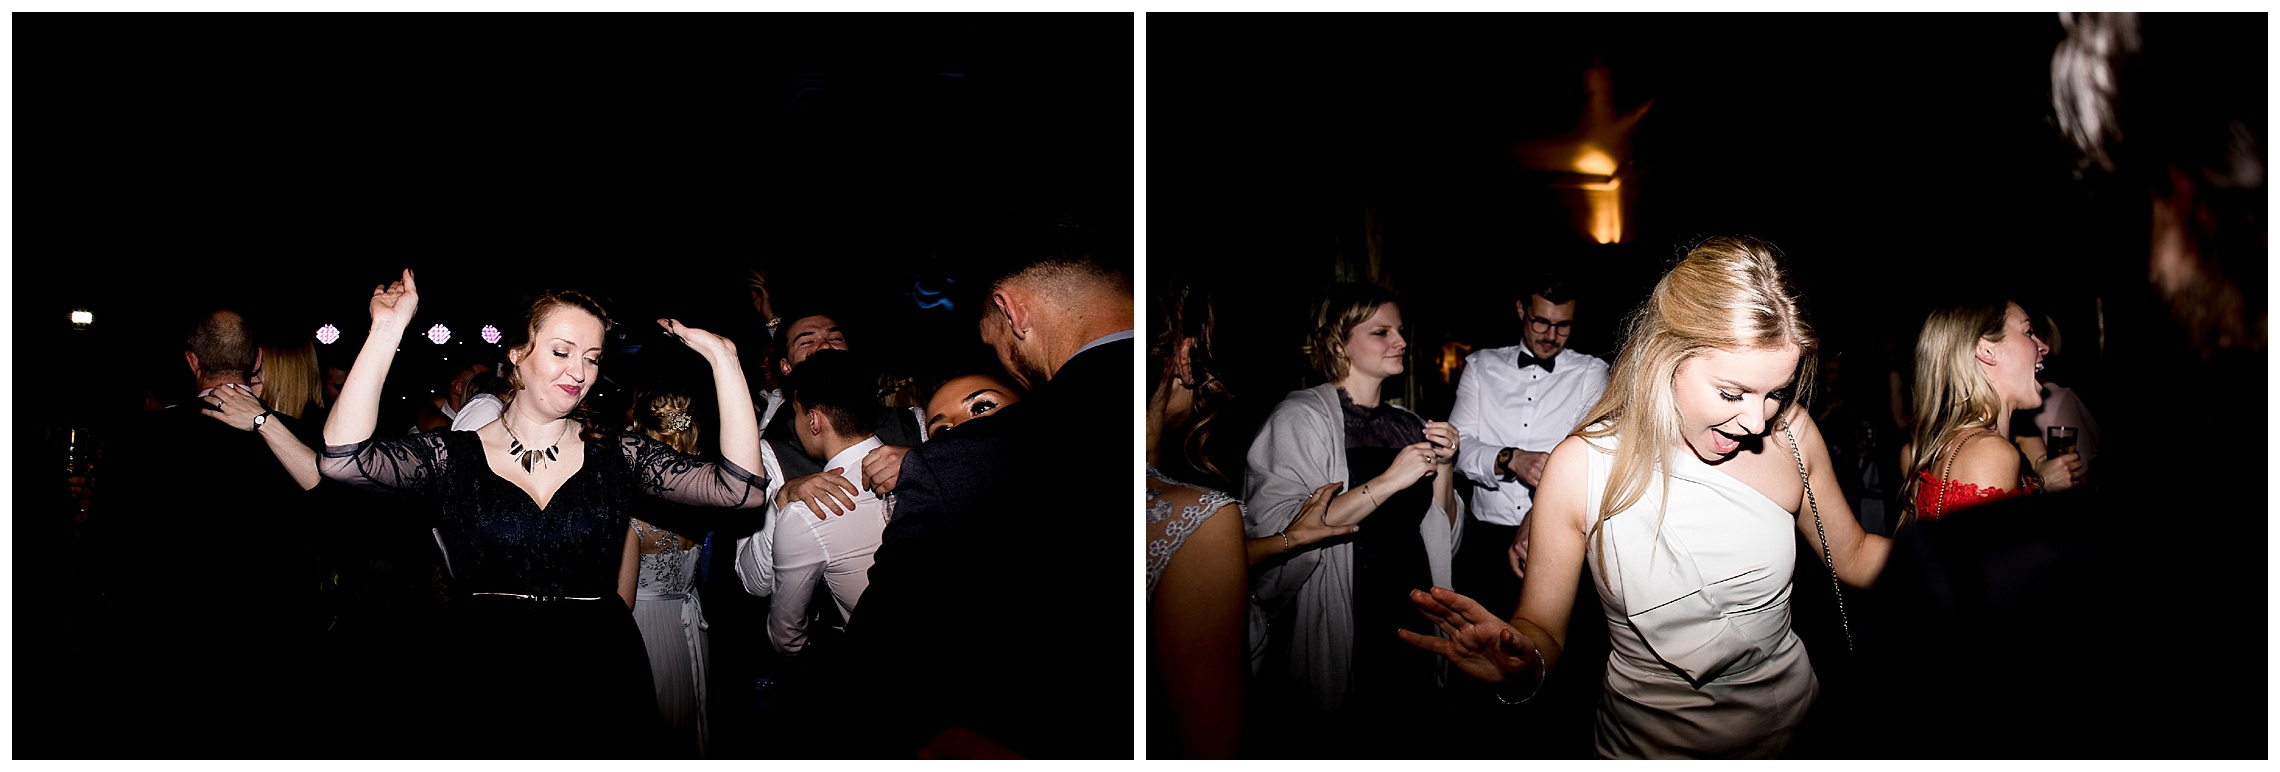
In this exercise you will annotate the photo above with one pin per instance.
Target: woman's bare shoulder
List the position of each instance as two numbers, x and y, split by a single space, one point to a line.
1987 459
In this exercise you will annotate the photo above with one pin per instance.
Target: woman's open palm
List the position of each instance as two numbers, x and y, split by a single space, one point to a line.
1478 643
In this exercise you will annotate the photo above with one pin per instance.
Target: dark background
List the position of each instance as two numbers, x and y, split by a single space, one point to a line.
1897 159
287 164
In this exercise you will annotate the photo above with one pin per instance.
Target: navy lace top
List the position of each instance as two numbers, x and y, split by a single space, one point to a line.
496 536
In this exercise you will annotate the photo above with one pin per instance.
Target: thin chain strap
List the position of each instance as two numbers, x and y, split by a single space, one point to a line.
1939 507
1826 559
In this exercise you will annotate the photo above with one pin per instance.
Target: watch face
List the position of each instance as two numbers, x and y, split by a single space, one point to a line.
260 419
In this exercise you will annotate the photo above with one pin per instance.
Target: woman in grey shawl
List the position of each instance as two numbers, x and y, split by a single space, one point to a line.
1324 613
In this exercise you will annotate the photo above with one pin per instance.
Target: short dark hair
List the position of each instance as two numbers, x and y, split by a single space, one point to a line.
1551 283
1059 244
223 342
487 382
841 385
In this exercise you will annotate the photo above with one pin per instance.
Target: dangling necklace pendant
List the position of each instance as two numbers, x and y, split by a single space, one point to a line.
529 458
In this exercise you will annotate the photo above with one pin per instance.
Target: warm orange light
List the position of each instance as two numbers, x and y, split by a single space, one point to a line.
1593 160
1452 362
1606 207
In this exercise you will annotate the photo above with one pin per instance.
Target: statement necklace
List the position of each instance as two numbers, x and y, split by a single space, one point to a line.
530 457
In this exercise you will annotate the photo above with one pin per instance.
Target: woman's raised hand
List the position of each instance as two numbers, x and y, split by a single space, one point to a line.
396 302
1444 435
1412 463
704 342
1479 644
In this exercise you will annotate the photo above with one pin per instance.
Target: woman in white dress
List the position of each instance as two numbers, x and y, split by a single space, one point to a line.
1679 490
665 604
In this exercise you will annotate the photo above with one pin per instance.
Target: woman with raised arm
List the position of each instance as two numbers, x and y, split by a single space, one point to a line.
534 514
1677 498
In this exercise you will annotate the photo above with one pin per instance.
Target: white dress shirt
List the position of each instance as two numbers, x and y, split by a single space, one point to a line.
794 550
1502 405
770 401
479 410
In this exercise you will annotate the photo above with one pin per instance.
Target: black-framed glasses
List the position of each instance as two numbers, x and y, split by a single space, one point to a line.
1541 325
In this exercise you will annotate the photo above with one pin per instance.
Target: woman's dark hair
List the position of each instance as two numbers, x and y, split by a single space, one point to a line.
1184 313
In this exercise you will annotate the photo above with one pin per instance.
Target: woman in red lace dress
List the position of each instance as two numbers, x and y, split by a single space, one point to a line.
1975 363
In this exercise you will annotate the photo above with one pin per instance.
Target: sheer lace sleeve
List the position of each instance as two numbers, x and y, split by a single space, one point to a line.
681 478
413 464
1176 509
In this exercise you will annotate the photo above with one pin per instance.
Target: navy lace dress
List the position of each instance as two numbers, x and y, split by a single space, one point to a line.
543 660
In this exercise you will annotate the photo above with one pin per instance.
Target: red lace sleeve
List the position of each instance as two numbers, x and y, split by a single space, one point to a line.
1959 495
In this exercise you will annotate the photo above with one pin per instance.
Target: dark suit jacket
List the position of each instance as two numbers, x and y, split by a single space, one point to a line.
212 576
194 503
2128 622
1002 587
2125 621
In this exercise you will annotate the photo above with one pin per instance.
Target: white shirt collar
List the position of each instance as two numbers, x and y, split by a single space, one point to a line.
852 459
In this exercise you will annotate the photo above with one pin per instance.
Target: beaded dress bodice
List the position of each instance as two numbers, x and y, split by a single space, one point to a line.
668 561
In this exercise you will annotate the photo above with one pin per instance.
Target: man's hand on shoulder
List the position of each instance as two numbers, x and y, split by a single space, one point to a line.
823 491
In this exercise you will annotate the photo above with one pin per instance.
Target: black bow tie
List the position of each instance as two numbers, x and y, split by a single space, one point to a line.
1529 358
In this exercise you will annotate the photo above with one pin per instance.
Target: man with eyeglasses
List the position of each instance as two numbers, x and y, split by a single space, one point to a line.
1514 404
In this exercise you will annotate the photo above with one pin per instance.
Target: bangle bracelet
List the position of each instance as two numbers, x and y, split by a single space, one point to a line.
1531 692
1286 542
1373 497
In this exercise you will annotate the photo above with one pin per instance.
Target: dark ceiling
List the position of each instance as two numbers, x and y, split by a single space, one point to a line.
1893 156
1844 138
650 159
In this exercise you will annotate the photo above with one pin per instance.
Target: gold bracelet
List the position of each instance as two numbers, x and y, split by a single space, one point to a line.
1373 497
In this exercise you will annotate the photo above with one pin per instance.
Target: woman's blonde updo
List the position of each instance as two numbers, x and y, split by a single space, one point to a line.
667 416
